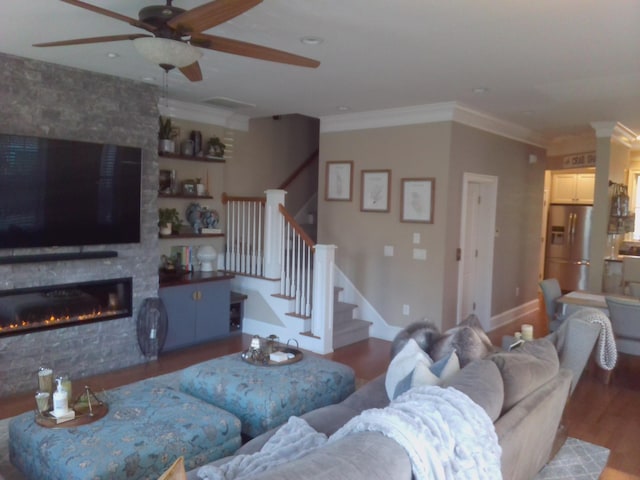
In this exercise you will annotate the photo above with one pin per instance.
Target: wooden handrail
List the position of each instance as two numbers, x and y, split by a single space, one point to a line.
231 198
299 170
287 216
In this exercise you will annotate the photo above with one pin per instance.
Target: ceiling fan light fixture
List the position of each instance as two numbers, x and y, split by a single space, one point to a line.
164 51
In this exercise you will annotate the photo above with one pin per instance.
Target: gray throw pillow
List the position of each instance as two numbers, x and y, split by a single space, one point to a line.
424 333
467 339
525 369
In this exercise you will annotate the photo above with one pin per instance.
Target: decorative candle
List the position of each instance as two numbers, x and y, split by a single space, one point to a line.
527 332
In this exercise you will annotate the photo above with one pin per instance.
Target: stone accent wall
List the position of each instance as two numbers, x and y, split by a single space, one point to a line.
48 100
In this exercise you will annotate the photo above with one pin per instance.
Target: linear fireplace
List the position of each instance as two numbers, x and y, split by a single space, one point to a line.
55 306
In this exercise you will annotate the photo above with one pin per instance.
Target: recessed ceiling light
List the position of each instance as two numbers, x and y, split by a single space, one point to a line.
149 79
112 55
480 90
309 40
343 108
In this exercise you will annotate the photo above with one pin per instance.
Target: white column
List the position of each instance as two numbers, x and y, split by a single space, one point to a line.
322 309
273 233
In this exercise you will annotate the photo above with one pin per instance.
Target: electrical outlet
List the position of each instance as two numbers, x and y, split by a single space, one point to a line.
416 238
406 309
517 291
388 250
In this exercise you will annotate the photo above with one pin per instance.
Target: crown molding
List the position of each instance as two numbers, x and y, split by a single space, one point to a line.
205 114
616 132
432 113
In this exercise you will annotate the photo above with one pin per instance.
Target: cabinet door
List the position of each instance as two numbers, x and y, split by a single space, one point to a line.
585 186
181 313
563 188
212 316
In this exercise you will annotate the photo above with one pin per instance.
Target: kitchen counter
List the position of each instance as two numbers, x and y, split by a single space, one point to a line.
620 257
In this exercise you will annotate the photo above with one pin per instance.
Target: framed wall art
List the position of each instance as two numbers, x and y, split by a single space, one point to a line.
339 181
418 198
374 190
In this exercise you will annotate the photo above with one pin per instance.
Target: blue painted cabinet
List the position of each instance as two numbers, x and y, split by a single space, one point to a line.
197 312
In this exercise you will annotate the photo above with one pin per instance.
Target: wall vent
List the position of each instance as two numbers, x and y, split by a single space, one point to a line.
230 103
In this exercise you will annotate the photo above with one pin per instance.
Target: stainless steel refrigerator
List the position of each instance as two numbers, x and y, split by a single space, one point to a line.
567 250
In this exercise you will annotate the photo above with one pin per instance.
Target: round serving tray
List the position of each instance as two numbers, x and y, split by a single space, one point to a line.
83 417
266 362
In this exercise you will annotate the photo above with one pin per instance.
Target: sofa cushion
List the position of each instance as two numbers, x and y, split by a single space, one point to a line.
371 395
526 369
481 382
468 339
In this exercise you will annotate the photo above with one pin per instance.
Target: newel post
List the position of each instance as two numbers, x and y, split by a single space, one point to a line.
322 312
273 233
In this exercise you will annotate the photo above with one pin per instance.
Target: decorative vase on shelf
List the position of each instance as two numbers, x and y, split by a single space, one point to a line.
207 256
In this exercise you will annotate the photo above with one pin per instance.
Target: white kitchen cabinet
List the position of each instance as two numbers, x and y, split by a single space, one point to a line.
573 188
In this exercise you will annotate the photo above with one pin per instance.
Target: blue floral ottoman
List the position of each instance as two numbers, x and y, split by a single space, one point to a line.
265 397
147 427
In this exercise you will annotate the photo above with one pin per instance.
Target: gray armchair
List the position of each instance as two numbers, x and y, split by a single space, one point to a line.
551 292
624 314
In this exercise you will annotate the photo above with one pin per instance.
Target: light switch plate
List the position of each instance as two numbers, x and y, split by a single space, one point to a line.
419 254
388 250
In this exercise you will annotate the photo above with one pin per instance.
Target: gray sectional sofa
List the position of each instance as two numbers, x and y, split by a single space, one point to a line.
524 393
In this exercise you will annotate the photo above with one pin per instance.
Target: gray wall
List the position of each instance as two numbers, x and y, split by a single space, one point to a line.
47 100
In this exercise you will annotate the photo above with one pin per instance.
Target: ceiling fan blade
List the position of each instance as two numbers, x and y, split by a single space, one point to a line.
192 72
109 13
82 41
210 14
237 47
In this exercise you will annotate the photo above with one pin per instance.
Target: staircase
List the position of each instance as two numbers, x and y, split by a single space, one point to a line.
346 329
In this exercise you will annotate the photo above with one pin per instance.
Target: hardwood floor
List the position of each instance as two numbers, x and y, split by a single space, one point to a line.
600 413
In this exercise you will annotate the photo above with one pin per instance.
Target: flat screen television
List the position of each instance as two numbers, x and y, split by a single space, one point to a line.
67 193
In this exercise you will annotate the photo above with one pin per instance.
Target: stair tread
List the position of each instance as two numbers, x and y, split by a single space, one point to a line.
351 324
342 306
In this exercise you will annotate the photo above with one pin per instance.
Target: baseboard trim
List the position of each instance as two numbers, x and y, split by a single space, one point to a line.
516 313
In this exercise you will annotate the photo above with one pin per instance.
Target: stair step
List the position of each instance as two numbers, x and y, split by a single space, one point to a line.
351 331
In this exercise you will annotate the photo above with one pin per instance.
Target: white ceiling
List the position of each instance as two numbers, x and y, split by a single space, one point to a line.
552 66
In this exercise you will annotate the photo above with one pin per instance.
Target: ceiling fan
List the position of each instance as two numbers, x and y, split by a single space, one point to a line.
180 30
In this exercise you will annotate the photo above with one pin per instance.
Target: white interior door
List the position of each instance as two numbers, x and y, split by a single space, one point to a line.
477 232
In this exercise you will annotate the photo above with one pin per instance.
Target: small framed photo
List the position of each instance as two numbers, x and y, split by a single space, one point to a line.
339 181
374 194
164 181
418 198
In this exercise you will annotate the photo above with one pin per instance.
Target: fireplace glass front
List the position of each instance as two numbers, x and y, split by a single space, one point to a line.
54 306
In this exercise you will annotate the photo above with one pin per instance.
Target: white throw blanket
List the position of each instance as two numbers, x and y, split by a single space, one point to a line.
607 355
293 440
445 434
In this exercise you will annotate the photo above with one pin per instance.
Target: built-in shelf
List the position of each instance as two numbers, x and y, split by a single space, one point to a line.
184 195
192 158
56 257
192 235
